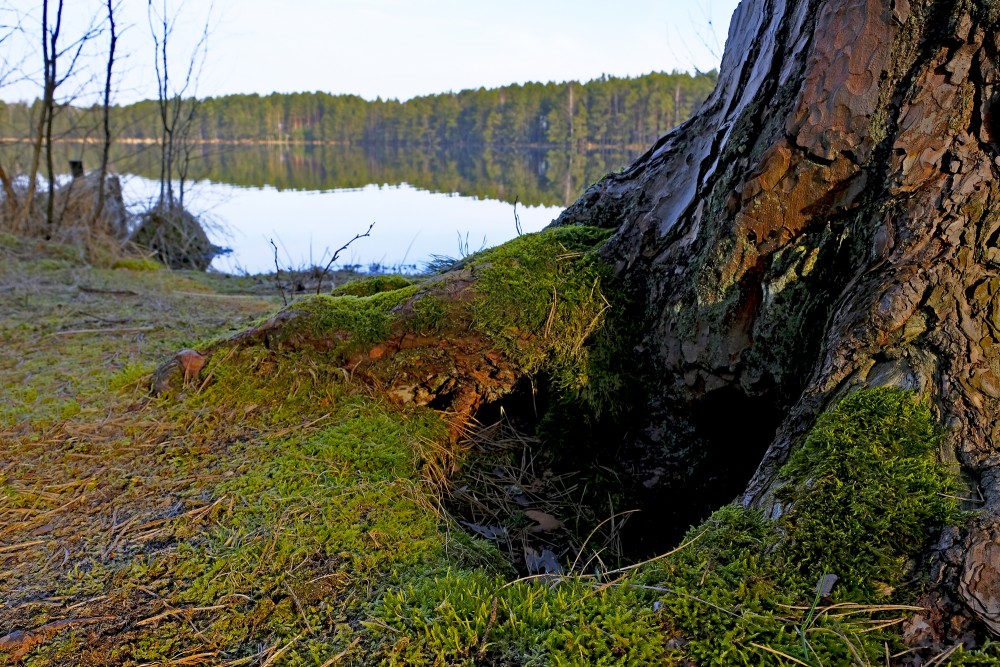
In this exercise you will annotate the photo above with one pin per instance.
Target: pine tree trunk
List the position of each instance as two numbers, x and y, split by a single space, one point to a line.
829 219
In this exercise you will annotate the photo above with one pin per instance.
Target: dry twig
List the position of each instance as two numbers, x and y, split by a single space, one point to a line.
326 269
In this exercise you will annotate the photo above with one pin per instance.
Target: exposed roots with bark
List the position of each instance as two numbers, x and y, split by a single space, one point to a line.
827 222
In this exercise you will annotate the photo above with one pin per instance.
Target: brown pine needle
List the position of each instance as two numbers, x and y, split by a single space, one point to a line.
22 545
552 314
656 558
123 331
284 649
179 612
779 654
298 605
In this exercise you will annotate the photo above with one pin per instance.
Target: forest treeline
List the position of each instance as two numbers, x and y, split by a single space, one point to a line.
609 112
533 176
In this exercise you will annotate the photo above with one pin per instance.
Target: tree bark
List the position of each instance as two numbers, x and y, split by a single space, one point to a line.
829 219
51 58
10 195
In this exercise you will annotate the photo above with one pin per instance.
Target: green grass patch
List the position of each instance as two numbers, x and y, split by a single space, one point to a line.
137 264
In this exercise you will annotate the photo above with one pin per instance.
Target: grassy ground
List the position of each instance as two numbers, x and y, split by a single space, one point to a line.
141 531
254 519
279 513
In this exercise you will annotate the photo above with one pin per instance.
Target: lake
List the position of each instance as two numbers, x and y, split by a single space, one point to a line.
310 200
307 226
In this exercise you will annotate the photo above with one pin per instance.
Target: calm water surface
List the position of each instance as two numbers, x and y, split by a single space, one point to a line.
411 225
310 200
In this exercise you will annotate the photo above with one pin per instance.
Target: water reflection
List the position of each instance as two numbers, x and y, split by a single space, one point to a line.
312 197
411 225
535 176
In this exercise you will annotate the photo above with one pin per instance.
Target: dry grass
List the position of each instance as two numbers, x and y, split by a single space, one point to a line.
101 239
90 469
249 520
508 493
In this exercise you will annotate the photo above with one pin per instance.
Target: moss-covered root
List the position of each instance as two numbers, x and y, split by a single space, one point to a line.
867 491
456 340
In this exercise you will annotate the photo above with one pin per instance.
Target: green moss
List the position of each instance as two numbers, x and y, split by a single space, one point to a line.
736 601
879 126
867 490
53 264
865 494
65 252
987 655
130 376
986 12
468 618
541 299
343 492
430 315
372 285
357 321
784 328
311 520
137 264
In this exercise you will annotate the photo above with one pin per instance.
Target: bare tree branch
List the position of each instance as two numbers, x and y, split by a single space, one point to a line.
106 111
51 56
10 26
277 274
177 104
7 69
52 78
319 285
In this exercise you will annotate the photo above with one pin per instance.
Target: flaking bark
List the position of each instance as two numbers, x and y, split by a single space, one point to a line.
829 220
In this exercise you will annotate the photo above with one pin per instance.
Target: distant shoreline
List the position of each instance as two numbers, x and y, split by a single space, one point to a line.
134 141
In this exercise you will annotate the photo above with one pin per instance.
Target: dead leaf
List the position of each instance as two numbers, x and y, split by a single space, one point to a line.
489 532
544 563
191 363
545 521
825 585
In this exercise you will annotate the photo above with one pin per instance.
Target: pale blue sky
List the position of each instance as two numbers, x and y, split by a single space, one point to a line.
402 48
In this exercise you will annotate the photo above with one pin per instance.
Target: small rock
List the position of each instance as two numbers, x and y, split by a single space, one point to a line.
825 585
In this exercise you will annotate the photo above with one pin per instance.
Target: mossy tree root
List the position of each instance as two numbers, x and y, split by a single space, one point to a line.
452 342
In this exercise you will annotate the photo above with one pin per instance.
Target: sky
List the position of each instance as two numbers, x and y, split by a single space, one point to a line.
378 48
